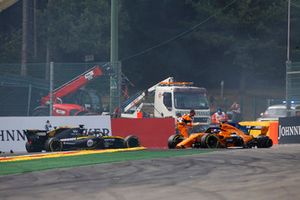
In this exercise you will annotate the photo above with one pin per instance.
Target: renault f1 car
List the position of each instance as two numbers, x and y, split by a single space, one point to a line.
222 136
67 138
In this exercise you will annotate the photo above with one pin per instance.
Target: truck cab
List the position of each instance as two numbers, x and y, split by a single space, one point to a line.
168 99
179 98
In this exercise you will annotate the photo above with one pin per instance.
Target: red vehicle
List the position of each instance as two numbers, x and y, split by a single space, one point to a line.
67 109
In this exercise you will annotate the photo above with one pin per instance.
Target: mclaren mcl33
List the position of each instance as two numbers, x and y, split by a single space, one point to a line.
222 136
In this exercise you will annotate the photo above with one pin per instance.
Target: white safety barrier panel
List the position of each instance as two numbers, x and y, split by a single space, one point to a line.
12 129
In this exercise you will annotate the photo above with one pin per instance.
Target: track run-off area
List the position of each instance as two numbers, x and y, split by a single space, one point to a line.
190 174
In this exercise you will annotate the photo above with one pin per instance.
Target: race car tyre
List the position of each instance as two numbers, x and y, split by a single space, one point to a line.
131 141
250 144
239 142
209 141
264 142
53 144
30 148
174 140
269 143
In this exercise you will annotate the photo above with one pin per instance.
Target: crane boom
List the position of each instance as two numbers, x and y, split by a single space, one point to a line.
136 99
4 4
74 84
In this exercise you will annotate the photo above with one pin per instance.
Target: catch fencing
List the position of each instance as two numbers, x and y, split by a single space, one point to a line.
20 94
293 81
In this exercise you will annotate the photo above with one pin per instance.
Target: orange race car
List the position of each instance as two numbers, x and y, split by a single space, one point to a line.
222 136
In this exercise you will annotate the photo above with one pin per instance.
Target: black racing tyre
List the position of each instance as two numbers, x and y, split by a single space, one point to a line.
131 141
264 142
30 148
239 142
53 144
209 141
269 142
259 142
174 140
250 144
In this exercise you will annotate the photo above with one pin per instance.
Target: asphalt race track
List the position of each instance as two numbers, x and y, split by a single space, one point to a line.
228 174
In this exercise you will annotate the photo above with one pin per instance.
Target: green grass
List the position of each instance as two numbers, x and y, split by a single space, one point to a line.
90 159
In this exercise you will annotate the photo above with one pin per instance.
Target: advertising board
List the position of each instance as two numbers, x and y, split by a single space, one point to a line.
12 129
289 130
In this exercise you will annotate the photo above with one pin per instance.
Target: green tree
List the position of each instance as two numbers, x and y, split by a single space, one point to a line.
247 35
227 39
74 29
10 46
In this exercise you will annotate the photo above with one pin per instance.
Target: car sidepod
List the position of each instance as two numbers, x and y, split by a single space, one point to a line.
84 142
234 141
113 142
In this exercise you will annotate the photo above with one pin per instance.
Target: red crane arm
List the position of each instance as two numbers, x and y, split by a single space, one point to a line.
74 84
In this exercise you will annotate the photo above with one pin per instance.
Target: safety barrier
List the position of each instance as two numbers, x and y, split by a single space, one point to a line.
272 132
289 130
152 132
12 129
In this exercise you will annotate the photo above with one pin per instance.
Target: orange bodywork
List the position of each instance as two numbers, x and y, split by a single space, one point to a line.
188 142
227 132
227 135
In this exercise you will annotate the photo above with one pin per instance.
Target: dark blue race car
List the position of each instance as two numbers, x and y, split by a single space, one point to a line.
67 138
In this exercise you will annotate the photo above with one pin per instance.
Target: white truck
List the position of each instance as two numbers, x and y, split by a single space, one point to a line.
170 99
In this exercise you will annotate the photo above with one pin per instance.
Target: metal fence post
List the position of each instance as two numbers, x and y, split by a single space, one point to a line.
51 88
